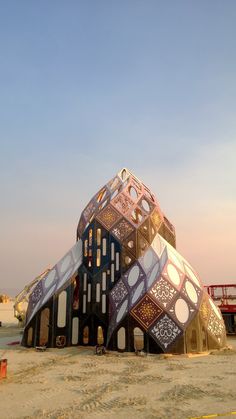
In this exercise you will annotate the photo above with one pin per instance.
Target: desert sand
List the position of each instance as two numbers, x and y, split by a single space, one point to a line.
76 383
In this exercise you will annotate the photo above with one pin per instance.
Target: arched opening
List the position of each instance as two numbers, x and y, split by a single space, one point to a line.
138 339
86 335
121 339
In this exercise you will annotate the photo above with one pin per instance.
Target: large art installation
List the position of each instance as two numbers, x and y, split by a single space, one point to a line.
124 277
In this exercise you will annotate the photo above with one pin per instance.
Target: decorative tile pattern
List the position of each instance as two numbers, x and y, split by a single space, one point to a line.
118 293
146 312
108 217
205 309
36 294
122 230
163 292
156 219
215 326
165 332
122 203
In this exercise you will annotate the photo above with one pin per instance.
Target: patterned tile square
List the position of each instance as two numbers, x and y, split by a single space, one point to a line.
165 332
122 229
215 326
122 203
205 309
146 312
108 217
118 293
163 292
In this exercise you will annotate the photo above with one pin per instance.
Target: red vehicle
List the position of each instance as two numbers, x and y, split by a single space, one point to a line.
225 297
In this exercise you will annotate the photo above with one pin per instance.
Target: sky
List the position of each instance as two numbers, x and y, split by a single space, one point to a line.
88 87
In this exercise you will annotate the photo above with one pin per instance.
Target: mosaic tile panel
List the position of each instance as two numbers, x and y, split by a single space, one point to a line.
165 332
108 217
36 294
146 312
215 326
122 230
156 218
123 203
205 309
163 292
118 293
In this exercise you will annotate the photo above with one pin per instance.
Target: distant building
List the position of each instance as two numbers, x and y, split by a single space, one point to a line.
124 277
4 299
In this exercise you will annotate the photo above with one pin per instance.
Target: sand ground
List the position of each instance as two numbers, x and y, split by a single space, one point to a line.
76 383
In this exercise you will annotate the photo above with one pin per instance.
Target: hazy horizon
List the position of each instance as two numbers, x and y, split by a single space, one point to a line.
88 88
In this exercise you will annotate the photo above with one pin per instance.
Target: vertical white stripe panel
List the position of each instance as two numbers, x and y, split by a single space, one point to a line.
104 247
104 305
98 291
75 331
61 309
112 272
84 303
112 251
104 281
89 293
117 261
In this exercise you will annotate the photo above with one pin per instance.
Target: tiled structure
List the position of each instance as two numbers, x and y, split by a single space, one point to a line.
124 275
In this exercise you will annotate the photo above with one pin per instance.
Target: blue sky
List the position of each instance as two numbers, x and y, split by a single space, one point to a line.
88 87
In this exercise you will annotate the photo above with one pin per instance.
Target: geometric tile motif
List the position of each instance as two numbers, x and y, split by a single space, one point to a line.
163 292
146 312
122 230
204 309
118 293
165 331
108 217
215 326
156 218
122 203
36 294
